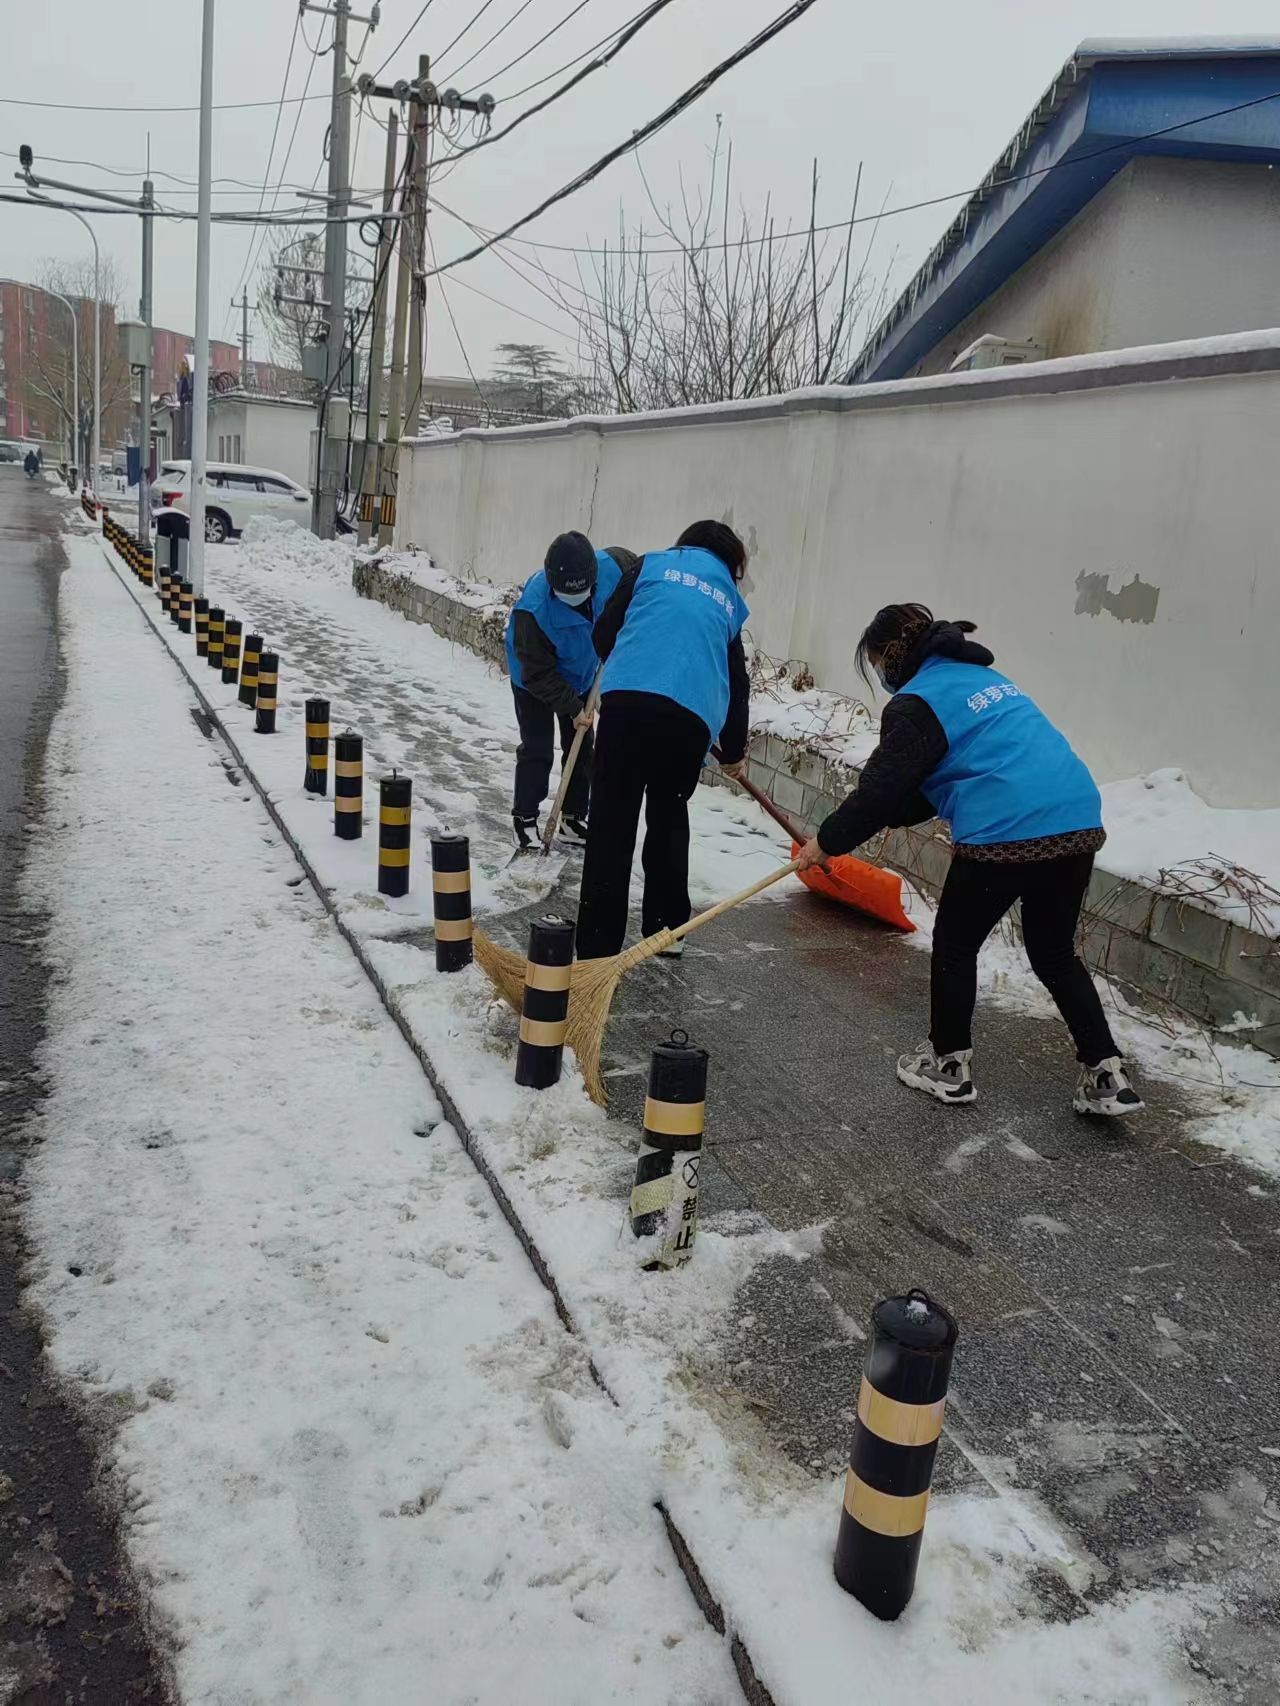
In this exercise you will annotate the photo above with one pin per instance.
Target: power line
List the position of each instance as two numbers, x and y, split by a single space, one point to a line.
475 19
501 30
885 213
782 22
271 151
556 331
403 39
560 69
85 107
448 308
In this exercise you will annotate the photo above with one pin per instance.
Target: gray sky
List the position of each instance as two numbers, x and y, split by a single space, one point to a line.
926 96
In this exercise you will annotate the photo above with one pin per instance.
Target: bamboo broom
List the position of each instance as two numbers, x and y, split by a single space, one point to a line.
593 982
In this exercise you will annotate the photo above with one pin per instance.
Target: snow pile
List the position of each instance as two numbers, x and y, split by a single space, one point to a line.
270 545
417 567
785 703
1157 823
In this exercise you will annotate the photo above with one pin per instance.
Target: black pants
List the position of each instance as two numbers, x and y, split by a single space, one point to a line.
534 754
650 749
975 897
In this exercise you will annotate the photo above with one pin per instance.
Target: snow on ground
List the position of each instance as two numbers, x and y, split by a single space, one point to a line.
356 1447
1158 822
760 1530
418 567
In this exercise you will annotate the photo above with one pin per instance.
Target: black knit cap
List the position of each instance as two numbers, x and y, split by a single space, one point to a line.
571 564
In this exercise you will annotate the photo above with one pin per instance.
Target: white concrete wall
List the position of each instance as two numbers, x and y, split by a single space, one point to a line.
981 495
1168 249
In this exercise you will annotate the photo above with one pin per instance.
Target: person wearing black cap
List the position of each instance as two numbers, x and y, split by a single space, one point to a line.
552 663
675 680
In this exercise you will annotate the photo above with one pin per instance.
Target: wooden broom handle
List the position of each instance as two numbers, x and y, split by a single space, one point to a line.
735 900
762 799
566 773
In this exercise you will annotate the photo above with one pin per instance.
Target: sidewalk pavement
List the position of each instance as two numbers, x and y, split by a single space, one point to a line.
1118 1289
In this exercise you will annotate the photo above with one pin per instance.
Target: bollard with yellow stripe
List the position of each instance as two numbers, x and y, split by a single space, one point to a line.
202 627
146 568
264 719
217 635
544 1009
895 1440
232 629
316 777
348 786
664 1196
451 900
248 694
162 583
186 606
395 809
175 595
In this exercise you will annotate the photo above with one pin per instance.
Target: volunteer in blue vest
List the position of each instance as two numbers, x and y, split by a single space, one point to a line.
960 741
675 680
552 663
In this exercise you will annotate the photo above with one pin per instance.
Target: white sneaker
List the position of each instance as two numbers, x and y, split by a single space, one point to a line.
674 952
1105 1089
946 1076
573 830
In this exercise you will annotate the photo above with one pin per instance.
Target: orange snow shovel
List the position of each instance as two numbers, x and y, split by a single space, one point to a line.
853 882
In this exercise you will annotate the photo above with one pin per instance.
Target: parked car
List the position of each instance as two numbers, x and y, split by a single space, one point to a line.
234 494
10 451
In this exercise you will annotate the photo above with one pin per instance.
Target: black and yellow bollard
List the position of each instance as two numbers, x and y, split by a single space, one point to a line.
175 596
162 587
895 1440
248 694
664 1195
217 632
395 811
268 682
186 601
348 786
231 631
316 779
146 567
201 612
451 899
544 1009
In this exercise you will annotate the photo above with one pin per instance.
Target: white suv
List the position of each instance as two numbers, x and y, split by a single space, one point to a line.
234 494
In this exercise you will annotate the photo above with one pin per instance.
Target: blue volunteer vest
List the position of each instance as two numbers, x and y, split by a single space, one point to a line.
568 629
684 614
1008 774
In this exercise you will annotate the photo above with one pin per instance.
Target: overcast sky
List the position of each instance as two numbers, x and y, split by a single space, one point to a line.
925 95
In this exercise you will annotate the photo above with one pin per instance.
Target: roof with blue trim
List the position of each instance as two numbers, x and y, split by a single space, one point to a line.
1195 97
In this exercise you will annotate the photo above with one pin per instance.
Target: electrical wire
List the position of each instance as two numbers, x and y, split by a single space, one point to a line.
403 39
889 212
448 308
556 331
271 151
475 19
560 69
783 21
85 107
500 31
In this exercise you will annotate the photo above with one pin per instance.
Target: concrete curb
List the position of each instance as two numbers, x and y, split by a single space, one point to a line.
753 1688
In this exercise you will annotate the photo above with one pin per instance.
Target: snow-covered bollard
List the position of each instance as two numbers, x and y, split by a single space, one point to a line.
544 1007
395 812
316 779
202 627
348 786
250 658
451 900
264 721
895 1440
217 630
186 603
664 1195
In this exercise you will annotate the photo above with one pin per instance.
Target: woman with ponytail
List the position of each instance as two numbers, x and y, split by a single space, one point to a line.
960 741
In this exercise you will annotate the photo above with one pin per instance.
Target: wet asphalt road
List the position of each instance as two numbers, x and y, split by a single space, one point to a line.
69 1629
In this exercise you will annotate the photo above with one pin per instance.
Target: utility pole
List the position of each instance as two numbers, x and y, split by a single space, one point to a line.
334 410
245 311
144 384
378 337
411 284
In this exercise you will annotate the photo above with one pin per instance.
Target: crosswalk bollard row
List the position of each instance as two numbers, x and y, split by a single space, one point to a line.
544 1008
316 778
451 900
664 1195
248 694
348 786
895 1440
264 722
